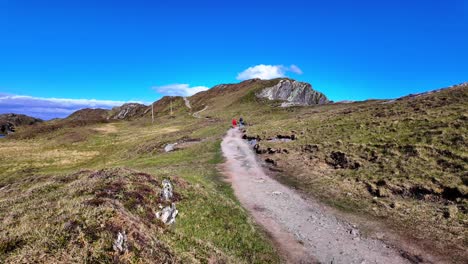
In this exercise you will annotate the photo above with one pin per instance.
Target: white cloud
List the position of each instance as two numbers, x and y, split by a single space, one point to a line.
179 89
47 108
267 72
295 69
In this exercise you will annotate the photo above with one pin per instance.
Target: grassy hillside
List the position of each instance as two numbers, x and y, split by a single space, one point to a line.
402 161
67 188
66 193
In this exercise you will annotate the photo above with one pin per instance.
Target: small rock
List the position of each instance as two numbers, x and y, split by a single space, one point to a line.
354 232
120 243
170 147
166 193
168 214
276 193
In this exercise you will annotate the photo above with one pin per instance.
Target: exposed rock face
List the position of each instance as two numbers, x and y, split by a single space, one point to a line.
293 93
7 128
18 119
8 122
128 111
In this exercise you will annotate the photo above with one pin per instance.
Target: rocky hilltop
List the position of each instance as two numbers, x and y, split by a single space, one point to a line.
18 119
89 114
128 111
8 122
293 93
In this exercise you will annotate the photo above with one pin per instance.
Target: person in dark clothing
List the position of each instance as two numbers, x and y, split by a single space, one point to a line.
241 122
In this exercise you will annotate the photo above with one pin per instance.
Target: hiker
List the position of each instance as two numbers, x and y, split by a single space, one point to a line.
234 122
241 122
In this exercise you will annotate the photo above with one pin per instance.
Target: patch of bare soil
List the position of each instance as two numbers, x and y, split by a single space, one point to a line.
304 230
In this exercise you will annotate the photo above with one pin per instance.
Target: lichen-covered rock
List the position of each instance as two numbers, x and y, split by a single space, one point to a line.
168 214
120 243
293 93
166 193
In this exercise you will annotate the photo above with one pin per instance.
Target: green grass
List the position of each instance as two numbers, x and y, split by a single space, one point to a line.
53 209
412 150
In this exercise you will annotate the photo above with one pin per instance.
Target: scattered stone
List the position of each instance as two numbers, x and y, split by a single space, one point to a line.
168 214
250 138
354 232
166 193
259 150
272 150
270 161
120 243
170 147
276 193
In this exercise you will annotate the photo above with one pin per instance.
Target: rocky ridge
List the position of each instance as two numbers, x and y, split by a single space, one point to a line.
293 93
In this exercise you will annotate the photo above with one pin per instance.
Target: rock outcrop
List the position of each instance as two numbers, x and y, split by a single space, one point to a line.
166 194
8 122
18 119
128 111
293 93
168 214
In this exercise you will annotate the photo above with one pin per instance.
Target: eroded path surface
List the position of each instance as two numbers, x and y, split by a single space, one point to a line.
302 229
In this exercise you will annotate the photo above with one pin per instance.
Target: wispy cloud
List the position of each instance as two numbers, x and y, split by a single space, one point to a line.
47 108
267 72
179 89
295 69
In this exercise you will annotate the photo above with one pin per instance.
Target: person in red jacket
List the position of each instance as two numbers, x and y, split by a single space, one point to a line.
234 122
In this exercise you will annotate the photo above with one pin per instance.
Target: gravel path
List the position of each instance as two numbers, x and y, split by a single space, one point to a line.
302 229
197 114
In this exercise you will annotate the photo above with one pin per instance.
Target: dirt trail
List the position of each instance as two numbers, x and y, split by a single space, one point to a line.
197 114
303 229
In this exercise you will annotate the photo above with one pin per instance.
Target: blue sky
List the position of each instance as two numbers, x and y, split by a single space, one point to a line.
139 50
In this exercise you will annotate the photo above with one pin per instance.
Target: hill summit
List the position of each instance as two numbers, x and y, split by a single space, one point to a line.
293 93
